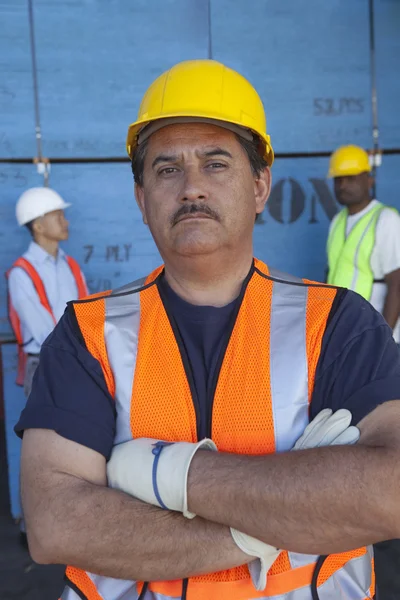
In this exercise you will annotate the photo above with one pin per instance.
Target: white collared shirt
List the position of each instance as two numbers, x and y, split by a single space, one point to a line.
60 286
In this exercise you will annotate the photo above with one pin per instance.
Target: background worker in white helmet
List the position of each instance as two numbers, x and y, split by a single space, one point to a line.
40 282
158 462
43 280
364 237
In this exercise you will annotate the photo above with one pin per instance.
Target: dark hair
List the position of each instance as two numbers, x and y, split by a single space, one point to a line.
29 227
138 162
252 148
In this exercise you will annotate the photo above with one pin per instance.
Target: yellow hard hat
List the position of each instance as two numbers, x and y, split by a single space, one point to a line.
348 160
204 89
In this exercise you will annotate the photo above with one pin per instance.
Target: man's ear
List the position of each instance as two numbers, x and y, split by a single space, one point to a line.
371 181
139 195
262 189
37 226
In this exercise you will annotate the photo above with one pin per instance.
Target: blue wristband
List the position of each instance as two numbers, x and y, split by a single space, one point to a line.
158 447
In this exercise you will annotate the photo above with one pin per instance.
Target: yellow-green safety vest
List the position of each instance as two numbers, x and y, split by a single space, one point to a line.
349 257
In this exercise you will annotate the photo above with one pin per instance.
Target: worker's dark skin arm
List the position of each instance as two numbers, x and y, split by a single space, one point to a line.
391 308
318 501
73 518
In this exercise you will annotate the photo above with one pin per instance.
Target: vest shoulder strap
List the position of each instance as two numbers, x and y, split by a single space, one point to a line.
134 286
369 222
128 289
381 207
337 237
29 269
340 224
284 277
77 273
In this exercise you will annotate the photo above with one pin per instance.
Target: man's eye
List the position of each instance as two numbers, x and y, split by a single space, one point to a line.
216 165
167 170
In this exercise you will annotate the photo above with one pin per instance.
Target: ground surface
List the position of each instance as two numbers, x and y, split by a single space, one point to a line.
20 577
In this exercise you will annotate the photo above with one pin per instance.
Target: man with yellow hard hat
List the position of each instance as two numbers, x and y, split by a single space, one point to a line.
364 238
233 437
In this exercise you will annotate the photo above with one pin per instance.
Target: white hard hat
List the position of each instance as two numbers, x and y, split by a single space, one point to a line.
37 202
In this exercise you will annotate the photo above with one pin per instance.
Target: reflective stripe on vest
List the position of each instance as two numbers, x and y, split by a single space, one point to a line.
257 409
349 258
351 582
29 269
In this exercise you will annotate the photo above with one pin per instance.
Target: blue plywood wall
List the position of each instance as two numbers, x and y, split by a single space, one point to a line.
309 60
16 99
387 26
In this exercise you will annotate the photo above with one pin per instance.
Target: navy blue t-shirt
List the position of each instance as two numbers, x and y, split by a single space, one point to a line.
204 333
358 368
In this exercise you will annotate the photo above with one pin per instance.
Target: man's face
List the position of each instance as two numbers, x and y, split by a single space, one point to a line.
53 226
352 189
199 193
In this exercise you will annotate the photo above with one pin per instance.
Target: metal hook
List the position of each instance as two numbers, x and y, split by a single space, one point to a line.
43 167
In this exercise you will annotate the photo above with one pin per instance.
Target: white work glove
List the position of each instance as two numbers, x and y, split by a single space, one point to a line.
154 471
327 429
265 556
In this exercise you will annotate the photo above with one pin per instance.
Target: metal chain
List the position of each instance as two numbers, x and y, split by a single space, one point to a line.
210 49
43 165
374 95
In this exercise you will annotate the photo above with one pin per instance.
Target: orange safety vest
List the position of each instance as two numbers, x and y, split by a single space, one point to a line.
260 406
30 270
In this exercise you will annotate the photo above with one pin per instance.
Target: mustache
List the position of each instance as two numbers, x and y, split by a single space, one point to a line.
190 209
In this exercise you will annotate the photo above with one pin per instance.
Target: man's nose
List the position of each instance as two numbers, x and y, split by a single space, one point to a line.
193 187
341 183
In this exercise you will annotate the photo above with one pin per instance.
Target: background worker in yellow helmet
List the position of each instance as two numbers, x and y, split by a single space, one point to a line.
364 238
364 255
158 461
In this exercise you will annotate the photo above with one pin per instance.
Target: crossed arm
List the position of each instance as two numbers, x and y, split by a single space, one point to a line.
314 501
318 501
72 517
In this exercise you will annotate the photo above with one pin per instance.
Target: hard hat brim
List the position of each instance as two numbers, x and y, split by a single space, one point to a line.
332 173
62 206
137 126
